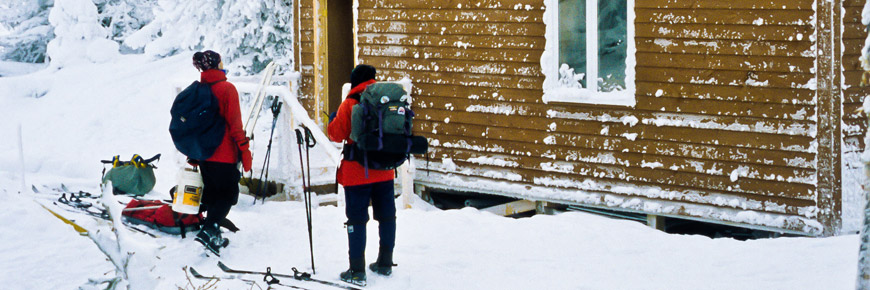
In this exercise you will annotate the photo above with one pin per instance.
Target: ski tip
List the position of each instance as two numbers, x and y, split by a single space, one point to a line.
33 187
63 187
222 266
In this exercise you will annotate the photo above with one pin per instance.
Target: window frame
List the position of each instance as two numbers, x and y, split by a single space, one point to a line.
555 92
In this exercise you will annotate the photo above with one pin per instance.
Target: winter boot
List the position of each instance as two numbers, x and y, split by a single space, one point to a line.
210 237
356 274
384 264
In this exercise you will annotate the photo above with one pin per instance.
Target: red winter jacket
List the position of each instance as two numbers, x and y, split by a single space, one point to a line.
352 173
228 97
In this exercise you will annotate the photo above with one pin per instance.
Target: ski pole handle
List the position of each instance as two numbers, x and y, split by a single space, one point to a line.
299 138
276 107
309 138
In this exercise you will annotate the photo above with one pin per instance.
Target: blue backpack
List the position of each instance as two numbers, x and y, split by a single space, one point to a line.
197 128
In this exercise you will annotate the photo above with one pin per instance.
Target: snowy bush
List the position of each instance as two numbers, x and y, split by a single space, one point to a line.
79 37
248 34
27 30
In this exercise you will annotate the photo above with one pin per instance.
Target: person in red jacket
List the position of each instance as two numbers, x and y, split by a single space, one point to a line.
220 173
360 189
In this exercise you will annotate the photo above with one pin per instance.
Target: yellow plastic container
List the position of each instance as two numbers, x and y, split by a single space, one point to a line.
188 191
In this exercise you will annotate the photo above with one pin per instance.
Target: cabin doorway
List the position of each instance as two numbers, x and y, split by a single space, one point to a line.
340 51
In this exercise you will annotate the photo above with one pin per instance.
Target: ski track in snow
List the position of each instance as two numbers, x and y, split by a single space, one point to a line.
92 112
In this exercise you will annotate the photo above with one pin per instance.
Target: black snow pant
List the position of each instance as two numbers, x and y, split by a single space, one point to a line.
220 190
357 199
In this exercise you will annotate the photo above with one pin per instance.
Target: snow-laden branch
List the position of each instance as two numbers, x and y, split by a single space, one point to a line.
130 257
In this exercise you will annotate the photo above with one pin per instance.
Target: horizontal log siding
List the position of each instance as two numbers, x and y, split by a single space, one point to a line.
306 46
700 109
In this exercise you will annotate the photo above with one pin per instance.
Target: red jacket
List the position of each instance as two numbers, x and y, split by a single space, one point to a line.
352 173
228 97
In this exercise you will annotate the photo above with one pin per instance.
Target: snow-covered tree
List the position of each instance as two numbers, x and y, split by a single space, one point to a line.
248 34
264 32
27 29
123 17
79 37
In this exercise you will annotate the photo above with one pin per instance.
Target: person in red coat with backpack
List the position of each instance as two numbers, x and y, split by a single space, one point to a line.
360 188
220 173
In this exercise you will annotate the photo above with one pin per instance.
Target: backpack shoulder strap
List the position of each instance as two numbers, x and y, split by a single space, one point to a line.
211 84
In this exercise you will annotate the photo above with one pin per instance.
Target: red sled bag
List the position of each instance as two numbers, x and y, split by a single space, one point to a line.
158 215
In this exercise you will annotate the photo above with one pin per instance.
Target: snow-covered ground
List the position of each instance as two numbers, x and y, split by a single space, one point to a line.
72 118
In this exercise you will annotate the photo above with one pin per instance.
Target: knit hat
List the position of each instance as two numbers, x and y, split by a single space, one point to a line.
361 73
206 60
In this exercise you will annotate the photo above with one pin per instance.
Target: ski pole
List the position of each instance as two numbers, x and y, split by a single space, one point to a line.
300 139
308 144
261 189
276 110
142 208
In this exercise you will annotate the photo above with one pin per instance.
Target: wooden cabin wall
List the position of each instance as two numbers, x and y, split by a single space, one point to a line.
724 90
305 45
854 123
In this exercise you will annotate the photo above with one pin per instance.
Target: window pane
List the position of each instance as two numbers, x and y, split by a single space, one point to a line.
612 44
572 35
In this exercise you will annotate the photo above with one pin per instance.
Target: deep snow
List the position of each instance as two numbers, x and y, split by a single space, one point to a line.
74 117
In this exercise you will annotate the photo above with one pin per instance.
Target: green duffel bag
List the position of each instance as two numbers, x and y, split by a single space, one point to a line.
134 177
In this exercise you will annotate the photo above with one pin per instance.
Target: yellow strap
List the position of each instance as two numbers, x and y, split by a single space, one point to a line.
116 161
82 231
137 161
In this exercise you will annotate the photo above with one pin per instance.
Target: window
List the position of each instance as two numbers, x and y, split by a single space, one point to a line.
589 40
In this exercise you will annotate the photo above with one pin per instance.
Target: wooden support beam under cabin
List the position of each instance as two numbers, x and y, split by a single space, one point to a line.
656 222
420 190
542 207
512 208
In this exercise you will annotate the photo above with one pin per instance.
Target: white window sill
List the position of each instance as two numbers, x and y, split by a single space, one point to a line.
582 96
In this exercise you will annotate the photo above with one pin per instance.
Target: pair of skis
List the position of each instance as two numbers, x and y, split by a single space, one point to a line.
72 202
270 282
272 278
251 122
253 113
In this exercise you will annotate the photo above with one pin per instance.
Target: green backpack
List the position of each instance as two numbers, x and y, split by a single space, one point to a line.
134 177
381 127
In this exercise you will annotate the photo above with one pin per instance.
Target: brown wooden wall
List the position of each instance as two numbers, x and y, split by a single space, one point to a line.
305 45
854 35
701 54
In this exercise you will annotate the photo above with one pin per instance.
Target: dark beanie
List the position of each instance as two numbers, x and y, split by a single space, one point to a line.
206 60
361 73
